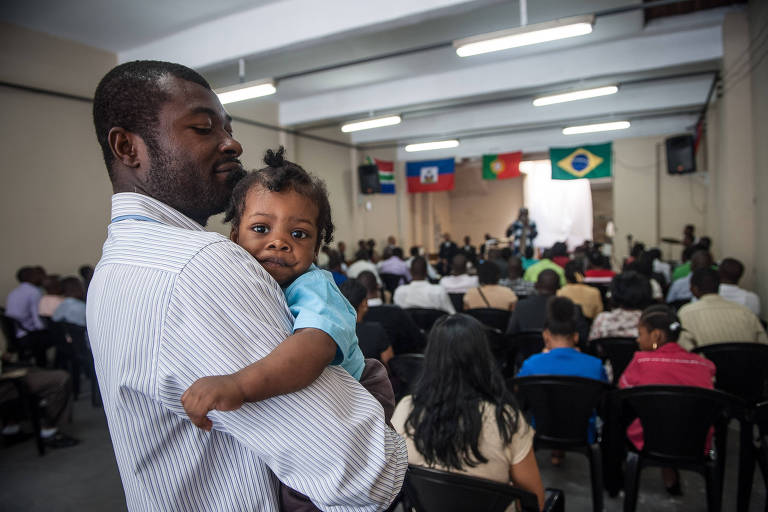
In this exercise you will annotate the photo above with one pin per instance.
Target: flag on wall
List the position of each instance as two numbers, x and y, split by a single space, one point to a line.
430 175
503 166
386 176
581 162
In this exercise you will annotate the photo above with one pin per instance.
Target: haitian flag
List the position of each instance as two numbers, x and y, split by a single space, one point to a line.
581 162
503 166
386 176
430 175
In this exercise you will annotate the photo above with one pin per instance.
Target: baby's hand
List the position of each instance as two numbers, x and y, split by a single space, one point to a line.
220 393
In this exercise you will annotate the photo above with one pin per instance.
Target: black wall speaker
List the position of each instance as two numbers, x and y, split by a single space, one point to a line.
680 156
369 179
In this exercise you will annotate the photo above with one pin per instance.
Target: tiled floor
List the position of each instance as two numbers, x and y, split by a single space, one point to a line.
85 478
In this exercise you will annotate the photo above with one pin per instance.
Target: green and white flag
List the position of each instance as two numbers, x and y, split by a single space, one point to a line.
581 162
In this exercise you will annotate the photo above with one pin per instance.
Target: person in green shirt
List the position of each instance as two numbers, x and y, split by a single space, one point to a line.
532 274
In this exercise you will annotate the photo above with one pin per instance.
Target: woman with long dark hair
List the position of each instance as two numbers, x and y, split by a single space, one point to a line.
461 417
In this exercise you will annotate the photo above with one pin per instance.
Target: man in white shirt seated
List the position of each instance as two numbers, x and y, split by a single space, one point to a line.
731 271
419 293
362 263
419 251
459 281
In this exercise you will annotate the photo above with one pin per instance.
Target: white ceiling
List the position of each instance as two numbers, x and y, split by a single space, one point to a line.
664 69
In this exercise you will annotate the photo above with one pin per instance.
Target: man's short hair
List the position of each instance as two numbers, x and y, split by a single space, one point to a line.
706 280
548 281
415 250
419 266
367 279
354 292
397 251
25 274
130 96
731 270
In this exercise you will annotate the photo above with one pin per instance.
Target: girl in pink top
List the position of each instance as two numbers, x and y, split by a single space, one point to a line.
661 360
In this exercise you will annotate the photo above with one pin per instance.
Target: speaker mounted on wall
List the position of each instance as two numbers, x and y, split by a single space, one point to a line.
680 155
369 179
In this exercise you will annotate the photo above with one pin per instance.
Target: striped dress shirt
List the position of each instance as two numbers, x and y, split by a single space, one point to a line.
169 303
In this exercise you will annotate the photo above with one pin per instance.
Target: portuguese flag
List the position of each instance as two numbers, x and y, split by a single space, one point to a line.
503 166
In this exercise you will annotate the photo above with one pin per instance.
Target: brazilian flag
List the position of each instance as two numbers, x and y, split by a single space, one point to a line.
581 162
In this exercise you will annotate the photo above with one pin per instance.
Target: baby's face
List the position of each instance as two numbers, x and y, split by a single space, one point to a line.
280 230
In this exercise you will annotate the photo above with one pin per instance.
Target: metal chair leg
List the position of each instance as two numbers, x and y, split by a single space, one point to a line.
596 476
631 482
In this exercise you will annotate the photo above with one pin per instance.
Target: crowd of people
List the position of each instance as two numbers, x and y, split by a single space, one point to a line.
243 356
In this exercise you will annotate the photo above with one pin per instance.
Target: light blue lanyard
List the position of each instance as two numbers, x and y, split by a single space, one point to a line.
134 217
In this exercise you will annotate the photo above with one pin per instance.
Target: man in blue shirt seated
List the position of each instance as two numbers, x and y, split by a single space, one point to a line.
561 357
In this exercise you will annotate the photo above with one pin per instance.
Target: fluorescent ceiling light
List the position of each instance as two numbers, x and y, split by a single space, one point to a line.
246 91
524 36
600 127
367 124
575 95
426 146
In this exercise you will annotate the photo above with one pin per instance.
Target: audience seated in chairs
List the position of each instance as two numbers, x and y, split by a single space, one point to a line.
419 293
731 271
681 288
514 279
588 297
462 397
394 265
22 305
713 319
630 293
405 335
489 294
561 356
459 281
661 360
371 336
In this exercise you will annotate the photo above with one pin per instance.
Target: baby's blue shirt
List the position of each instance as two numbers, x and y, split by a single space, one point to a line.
315 301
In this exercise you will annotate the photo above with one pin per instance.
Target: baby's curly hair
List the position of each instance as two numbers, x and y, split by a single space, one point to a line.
281 175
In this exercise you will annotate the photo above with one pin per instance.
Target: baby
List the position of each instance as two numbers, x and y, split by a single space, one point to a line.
281 215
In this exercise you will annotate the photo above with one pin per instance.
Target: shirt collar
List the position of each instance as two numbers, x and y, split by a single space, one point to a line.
130 203
375 302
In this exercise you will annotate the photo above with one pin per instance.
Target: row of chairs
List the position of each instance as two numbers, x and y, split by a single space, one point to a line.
675 420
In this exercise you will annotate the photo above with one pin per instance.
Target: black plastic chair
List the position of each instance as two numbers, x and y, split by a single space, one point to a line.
618 351
74 354
524 345
496 320
432 490
9 326
561 408
29 402
761 419
676 421
406 368
457 299
742 370
425 318
391 282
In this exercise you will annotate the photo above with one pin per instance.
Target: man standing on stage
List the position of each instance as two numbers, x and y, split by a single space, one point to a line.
523 230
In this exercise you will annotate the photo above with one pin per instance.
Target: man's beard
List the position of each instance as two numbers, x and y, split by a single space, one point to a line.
172 180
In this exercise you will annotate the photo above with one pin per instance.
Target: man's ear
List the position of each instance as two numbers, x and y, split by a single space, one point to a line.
125 146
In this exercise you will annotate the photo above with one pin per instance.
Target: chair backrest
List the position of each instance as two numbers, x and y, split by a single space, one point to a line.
457 299
561 406
391 281
742 369
495 318
761 418
8 325
425 318
431 490
407 369
619 351
675 419
71 333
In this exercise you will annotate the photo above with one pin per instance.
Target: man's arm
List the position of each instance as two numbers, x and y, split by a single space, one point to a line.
328 440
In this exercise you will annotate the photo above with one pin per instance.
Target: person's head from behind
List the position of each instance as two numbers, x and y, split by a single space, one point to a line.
73 287
658 325
654 253
701 258
163 133
488 273
397 252
574 272
547 283
637 249
334 260
731 271
631 290
26 275
529 252
467 240
506 253
560 329
414 251
52 285
459 265
368 280
460 376
704 281
86 272
514 267
362 255
357 295
391 240
559 249
281 215
419 268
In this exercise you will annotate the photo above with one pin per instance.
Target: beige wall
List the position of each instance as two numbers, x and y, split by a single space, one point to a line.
55 194
758 18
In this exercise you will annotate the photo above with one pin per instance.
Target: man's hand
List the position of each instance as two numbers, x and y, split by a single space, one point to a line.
221 393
